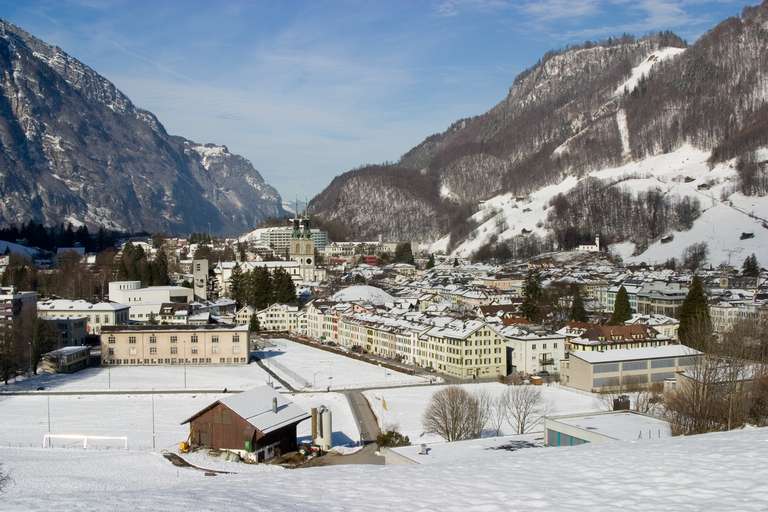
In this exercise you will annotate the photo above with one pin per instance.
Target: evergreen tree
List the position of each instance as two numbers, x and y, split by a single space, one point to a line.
237 285
431 261
159 270
283 289
253 325
621 309
403 253
751 267
532 297
578 313
260 288
695 323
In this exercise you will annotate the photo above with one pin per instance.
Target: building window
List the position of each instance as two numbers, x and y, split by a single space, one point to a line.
153 339
605 368
111 339
194 338
194 350
174 339
214 339
174 350
132 340
153 350
236 338
111 351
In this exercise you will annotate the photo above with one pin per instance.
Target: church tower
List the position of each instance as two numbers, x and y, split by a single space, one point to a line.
302 247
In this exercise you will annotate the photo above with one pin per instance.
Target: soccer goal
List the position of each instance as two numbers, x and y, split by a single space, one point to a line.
72 440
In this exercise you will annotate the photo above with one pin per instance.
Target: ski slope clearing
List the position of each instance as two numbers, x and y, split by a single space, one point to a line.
726 214
404 407
644 68
308 368
715 472
24 418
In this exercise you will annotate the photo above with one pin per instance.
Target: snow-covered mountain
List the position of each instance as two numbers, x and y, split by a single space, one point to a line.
74 148
646 142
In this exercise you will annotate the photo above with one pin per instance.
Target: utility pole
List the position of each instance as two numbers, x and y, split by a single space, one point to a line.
153 419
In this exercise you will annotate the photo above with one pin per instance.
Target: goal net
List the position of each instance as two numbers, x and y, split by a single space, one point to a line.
84 441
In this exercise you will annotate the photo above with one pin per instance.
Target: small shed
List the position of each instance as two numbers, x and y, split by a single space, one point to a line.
259 420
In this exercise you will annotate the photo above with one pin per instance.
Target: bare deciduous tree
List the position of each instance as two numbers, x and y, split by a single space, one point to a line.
455 414
5 479
525 407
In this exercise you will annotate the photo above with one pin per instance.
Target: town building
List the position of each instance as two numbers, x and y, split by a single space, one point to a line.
532 349
259 421
69 330
145 302
614 337
590 247
625 369
13 305
97 315
214 344
600 427
65 360
282 318
664 325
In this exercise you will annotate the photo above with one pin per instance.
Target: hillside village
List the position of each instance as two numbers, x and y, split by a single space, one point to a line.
573 284
329 353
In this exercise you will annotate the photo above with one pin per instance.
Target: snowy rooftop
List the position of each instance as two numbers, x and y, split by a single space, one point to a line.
619 425
79 305
255 406
630 354
363 293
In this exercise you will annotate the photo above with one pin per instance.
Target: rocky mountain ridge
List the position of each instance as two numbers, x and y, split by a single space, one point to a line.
73 148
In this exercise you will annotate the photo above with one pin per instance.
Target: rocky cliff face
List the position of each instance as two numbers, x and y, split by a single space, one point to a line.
74 148
577 110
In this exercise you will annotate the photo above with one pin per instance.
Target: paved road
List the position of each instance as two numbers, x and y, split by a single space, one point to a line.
364 417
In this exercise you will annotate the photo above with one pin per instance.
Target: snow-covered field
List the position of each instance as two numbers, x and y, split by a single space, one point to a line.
404 407
714 472
311 368
24 418
148 377
462 451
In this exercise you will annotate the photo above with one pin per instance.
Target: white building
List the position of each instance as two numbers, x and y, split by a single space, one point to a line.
532 349
145 302
97 315
591 248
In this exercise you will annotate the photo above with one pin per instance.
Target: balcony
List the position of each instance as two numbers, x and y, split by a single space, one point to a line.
546 361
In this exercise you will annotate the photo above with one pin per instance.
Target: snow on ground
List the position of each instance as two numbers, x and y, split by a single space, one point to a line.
462 451
709 472
404 407
642 70
308 368
24 418
343 424
148 377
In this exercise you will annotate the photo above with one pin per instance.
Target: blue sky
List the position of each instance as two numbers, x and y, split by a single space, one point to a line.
309 89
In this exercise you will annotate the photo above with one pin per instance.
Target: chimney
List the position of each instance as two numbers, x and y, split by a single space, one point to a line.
274 404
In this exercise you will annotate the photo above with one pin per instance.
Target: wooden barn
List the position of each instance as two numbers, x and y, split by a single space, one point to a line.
259 420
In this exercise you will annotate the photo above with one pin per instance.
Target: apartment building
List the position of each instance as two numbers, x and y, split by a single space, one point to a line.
97 315
532 349
215 344
70 330
725 315
14 304
625 368
281 317
600 338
